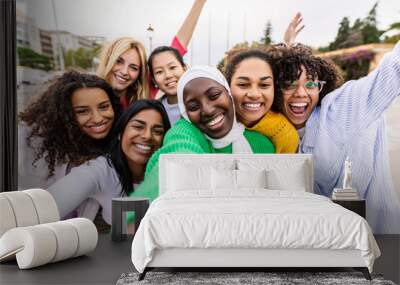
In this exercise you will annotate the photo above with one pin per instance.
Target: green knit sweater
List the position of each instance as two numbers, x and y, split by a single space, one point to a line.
184 137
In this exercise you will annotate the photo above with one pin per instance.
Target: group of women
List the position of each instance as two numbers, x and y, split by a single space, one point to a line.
282 100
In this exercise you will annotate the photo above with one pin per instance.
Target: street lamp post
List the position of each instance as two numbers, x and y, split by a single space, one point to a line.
150 32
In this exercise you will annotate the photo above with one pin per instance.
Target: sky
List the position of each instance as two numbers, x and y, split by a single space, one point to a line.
222 23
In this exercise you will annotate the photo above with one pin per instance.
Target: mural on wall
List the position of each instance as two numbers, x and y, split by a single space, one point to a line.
49 46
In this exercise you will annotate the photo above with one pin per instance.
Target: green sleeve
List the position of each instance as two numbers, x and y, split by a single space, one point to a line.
148 188
258 142
182 138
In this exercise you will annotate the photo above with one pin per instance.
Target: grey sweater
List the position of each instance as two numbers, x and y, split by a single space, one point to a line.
94 179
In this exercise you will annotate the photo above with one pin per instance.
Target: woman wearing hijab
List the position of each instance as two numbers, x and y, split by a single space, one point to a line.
208 126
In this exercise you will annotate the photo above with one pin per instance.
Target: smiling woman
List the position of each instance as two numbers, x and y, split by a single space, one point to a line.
336 122
251 79
209 107
166 66
136 136
208 126
93 111
71 121
250 76
142 136
123 63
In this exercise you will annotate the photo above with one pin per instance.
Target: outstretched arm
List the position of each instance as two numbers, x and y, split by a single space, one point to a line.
185 32
71 190
294 28
83 182
361 102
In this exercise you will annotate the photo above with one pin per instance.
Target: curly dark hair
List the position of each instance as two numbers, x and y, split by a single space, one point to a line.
287 69
52 121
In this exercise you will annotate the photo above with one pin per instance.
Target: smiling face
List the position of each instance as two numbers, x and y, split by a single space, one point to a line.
142 136
300 99
93 111
209 107
125 71
252 89
167 70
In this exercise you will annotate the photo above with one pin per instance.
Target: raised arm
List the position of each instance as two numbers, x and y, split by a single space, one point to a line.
294 28
363 101
185 32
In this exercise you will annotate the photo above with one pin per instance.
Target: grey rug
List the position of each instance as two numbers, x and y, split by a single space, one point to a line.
269 278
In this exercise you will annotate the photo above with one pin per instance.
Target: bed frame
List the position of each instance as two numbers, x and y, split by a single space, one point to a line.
249 259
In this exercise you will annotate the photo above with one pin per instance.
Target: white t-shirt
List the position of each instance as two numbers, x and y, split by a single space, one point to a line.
172 110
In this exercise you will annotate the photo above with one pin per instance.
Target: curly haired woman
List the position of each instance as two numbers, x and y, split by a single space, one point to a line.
334 123
71 121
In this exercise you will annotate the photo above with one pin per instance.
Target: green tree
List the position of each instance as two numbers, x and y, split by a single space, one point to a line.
395 26
69 58
363 31
30 58
267 39
355 39
81 57
342 34
370 32
393 38
357 25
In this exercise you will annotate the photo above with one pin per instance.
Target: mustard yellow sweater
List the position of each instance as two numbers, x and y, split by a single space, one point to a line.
280 131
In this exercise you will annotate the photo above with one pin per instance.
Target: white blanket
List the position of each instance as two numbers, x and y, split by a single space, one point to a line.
255 218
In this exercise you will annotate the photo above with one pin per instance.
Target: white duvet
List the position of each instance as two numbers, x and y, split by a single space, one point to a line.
253 218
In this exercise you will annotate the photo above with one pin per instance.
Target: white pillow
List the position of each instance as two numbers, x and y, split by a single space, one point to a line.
284 172
181 177
226 179
295 180
251 178
223 179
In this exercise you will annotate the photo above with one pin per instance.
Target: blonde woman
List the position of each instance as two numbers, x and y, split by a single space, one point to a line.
123 62
123 65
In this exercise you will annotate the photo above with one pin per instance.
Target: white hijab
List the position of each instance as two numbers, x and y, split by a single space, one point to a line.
235 135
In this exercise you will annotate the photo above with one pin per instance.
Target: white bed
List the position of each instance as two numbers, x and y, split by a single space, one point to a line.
247 211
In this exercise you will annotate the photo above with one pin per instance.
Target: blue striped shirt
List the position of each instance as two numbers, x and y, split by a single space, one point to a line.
350 122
